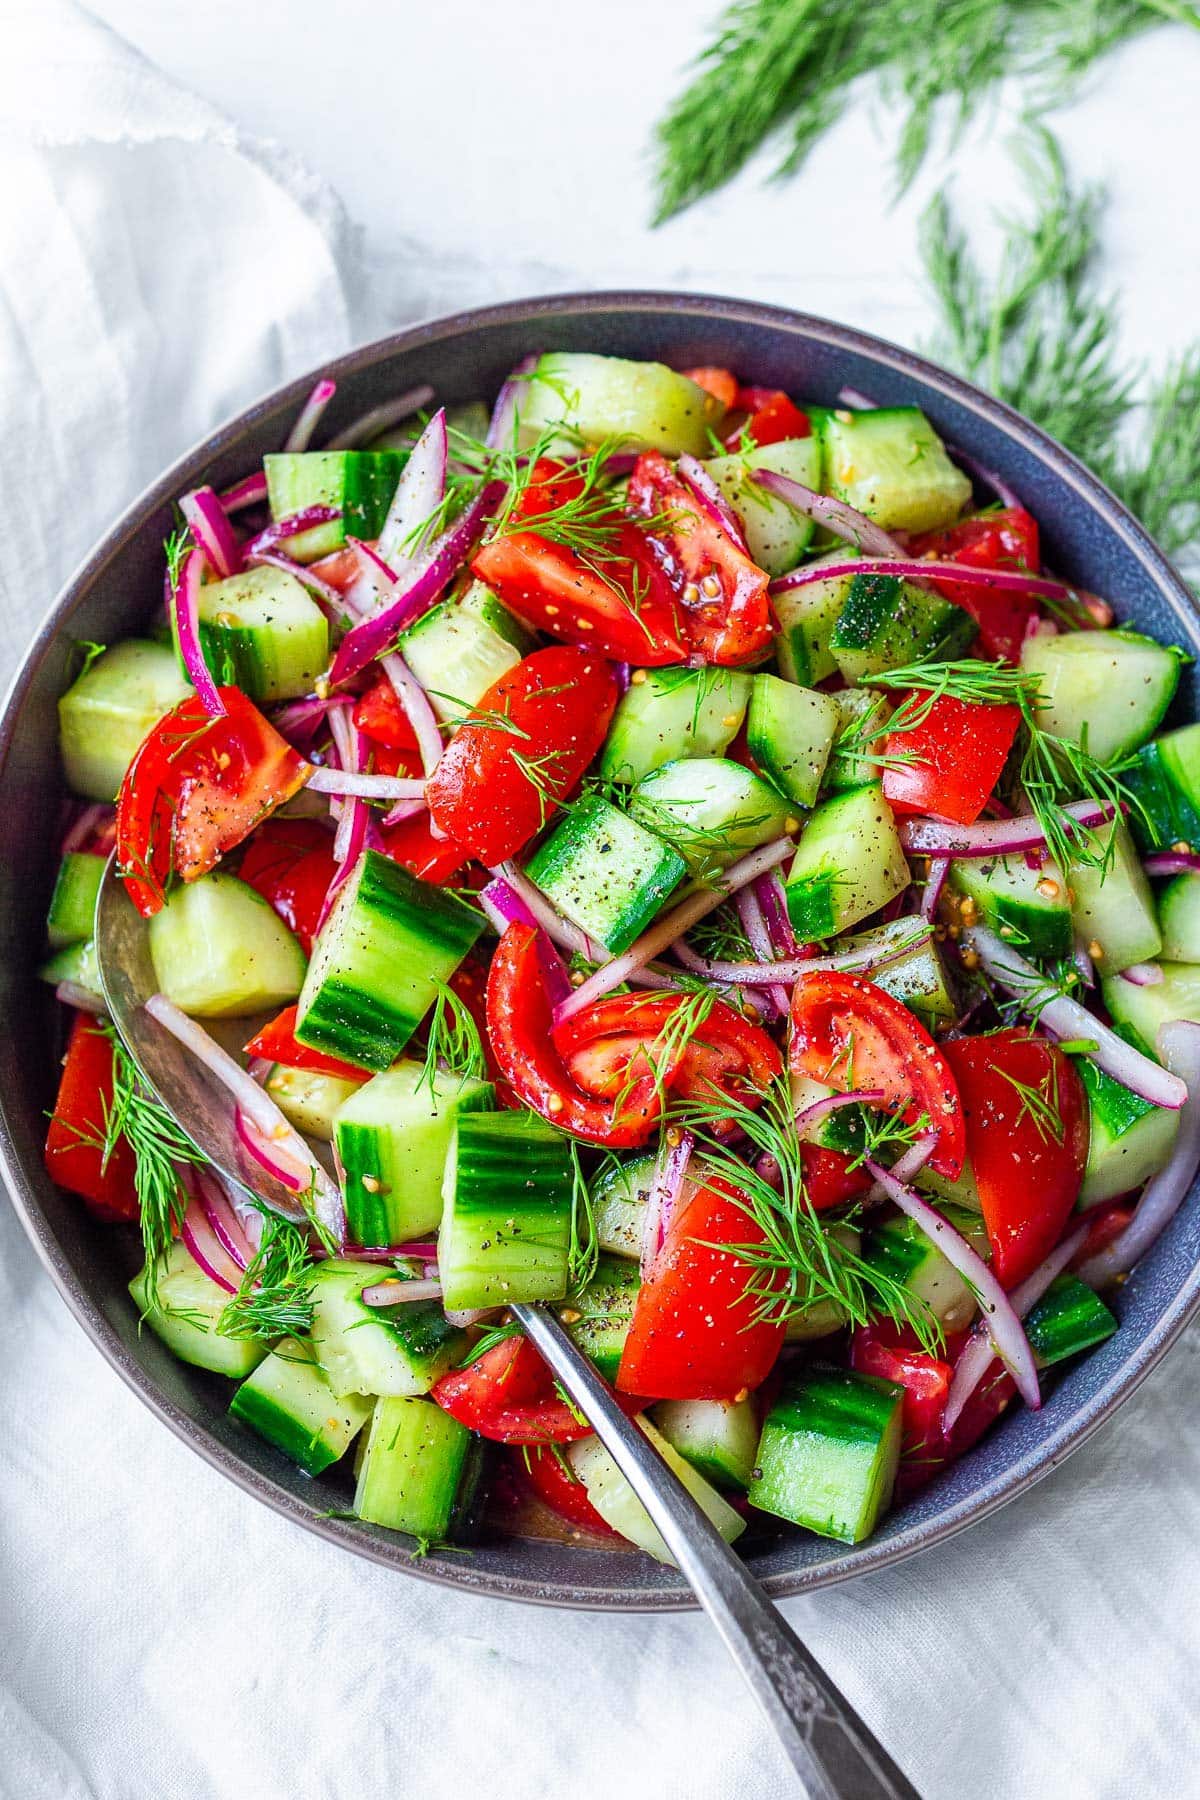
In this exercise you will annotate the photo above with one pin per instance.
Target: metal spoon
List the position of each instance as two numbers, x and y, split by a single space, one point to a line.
831 1750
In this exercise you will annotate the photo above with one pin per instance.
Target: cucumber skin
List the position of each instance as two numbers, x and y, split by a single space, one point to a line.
184 1290
263 1403
1179 917
1068 1319
807 617
648 405
823 899
619 1507
886 623
1115 908
397 1352
73 903
790 731
1040 926
1165 781
269 658
1130 1138
613 901
620 1193
719 1438
1083 687
361 483
398 1133
828 1454
606 1304
413 1468
506 1227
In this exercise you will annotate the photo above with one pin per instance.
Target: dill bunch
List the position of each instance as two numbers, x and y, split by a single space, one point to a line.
275 1297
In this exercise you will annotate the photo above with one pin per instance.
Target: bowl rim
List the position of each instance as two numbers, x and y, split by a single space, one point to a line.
457 1572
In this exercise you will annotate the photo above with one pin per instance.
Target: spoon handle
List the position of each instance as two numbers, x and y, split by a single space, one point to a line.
832 1751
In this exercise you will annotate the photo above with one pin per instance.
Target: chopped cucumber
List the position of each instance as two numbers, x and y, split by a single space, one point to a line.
221 951
917 978
103 717
387 945
1179 918
1107 690
185 1314
776 534
854 760
900 1250
891 464
1165 781
288 1401
645 404
456 654
1068 1319
76 963
73 903
308 1100
887 623
418 1471
620 1193
401 1349
790 731
509 1200
667 714
393 1138
359 483
1144 1009
605 872
262 632
820 1314
1130 1138
807 616
1114 908
1028 908
718 1437
605 1307
619 1506
829 1451
848 864
711 809
481 603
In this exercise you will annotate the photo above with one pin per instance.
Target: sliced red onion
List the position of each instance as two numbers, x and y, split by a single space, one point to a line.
711 500
810 1117
403 809
662 1202
994 837
395 1292
504 906
185 601
91 821
849 396
305 520
920 569
70 993
987 476
1179 1045
381 418
1142 974
211 530
301 434
1172 862
1012 1346
931 893
773 900
366 787
379 577
203 1245
265 1151
334 603
1064 1018
418 710
755 927
1084 966
979 1351
555 978
752 974
673 925
501 431
845 521
226 1226
250 492
257 1105
540 911
419 492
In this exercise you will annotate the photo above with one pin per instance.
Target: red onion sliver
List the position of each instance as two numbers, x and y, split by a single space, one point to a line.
397 1291
931 893
203 1245
378 576
226 1226
987 476
662 1202
89 823
845 521
811 1116
210 528
250 492
381 418
268 1155
418 710
366 787
185 601
773 900
1172 862
849 396
70 993
788 969
540 911
332 601
993 837
712 501
301 434
1143 974
419 492
501 431
918 569
755 926
305 520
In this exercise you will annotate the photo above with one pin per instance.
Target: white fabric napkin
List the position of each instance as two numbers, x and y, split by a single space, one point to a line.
167 1638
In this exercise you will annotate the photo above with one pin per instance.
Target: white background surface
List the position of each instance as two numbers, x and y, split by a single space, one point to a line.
166 1638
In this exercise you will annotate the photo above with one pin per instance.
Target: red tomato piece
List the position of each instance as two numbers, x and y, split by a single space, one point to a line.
340 569
696 1332
277 1043
849 1034
954 758
197 786
829 1180
735 624
509 1395
619 605
772 416
75 1140
1026 1116
885 1349
497 785
1005 539
379 715
722 384
412 844
469 981
1105 1225
556 1484
290 863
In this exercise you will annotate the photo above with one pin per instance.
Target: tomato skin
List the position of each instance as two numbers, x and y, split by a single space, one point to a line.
469 981
1005 539
379 715
840 1019
1028 1181
197 786
508 1395
412 844
885 1349
956 756
736 626
722 384
1105 1225
828 1179
73 1157
562 699
290 863
277 1043
773 418
694 1334
543 1470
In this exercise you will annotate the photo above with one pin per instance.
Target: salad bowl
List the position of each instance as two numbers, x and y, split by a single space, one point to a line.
1087 537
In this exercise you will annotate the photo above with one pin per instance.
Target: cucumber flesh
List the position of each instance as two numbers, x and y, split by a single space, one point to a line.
711 809
918 978
605 872
309 1100
900 1250
393 1350
605 1307
820 1315
220 951
887 623
619 1506
103 717
645 404
289 1402
620 1193
790 731
776 534
360 484
1028 908
668 714
78 964
186 1312
1179 918
807 616
1113 907
718 1437
262 632
393 1137
1129 1139
890 464
1107 690
829 1452
848 864
506 1228
854 758
73 903
456 655
417 1468
1145 1009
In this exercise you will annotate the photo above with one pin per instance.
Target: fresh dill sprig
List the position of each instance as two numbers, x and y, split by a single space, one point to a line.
583 1248
175 548
454 1046
1040 1104
275 1298
488 1341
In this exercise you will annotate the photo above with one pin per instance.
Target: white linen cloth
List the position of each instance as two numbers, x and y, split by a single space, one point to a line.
164 1637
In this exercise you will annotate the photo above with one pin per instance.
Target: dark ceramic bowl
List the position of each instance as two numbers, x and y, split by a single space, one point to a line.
1086 535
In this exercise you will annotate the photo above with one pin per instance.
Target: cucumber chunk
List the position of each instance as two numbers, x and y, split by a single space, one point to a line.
619 1506
620 1193
480 602
308 1100
645 404
1144 1009
829 1451
848 864
1068 1319
819 1315
790 731
891 464
386 947
711 809
668 714
1028 908
776 534
456 654
185 1315
401 1349
418 1471
221 951
77 964
1130 1138
1113 906
509 1199
359 483
1165 781
1179 918
605 1306
605 872
393 1138
718 1437
1107 690
103 717
854 760
262 632
899 1249
917 978
73 903
807 616
887 623
288 1401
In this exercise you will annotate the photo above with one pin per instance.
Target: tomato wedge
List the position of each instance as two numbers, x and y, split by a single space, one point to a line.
722 384
497 784
379 715
953 758
75 1140
829 1180
556 1484
510 1396
849 1034
277 1042
772 417
889 1350
1005 539
412 844
733 624
1027 1119
290 863
196 787
696 1332
613 599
